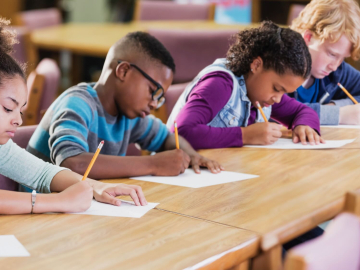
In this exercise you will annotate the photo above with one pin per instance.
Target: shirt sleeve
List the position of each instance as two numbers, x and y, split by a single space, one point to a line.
26 169
69 128
205 101
292 113
149 132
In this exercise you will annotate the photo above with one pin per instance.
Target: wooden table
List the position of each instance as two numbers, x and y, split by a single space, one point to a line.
158 240
95 39
296 190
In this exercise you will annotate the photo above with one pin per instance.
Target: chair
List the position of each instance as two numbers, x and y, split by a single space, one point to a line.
21 138
294 12
168 10
43 84
193 50
171 97
39 18
337 248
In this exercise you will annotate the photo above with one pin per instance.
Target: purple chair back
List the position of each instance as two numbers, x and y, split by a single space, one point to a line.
168 10
21 138
51 72
39 18
294 12
20 53
193 50
337 248
172 95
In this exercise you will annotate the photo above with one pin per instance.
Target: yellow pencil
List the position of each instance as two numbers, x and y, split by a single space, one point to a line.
93 160
261 111
348 94
176 136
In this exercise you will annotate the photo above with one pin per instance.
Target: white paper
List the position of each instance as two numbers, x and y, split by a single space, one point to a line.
193 180
343 126
11 247
288 144
126 209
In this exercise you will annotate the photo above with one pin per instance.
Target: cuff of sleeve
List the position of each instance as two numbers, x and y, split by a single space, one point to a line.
342 102
329 115
53 170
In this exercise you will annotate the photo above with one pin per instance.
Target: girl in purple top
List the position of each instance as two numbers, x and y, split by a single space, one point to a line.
218 108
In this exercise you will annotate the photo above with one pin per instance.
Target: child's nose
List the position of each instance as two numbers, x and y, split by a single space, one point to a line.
153 104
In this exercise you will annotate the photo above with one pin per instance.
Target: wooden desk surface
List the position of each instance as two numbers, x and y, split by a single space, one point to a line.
96 39
296 190
158 240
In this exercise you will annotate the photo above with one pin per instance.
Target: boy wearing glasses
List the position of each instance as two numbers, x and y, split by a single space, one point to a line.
136 73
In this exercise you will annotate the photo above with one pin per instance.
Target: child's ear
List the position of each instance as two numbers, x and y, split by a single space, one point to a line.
122 70
256 65
307 35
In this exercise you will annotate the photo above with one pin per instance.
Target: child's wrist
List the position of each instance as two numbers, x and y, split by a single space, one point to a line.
244 135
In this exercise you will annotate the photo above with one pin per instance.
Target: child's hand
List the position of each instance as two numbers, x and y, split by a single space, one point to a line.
170 163
76 198
305 133
198 160
106 193
261 133
350 115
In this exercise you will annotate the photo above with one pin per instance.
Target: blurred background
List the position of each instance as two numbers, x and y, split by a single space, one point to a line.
64 42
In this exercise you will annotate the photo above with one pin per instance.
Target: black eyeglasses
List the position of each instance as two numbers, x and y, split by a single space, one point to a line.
158 94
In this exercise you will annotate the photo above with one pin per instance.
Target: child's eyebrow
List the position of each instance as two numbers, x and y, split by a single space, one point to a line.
15 101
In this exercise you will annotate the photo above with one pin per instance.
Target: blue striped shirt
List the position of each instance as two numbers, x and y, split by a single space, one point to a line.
76 123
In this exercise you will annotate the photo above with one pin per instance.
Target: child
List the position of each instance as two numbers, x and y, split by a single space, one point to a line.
218 108
16 163
330 30
136 73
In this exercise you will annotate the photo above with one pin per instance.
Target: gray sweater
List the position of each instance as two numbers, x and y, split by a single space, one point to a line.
26 169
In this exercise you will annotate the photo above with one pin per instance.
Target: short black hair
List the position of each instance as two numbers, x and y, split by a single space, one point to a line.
152 47
281 49
9 68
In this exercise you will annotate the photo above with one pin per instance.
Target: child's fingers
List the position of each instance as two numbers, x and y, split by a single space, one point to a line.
196 168
134 196
302 137
295 138
107 198
140 194
317 138
310 136
322 140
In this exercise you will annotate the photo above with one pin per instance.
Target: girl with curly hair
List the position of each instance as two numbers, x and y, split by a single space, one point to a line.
218 108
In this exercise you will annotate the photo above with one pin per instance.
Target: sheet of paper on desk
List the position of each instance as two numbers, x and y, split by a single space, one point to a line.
343 126
288 144
193 180
126 209
11 247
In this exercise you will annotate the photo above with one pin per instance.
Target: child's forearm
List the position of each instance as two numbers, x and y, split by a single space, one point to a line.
107 166
12 202
64 179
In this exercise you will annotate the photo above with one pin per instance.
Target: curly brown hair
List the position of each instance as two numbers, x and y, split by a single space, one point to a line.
281 49
9 68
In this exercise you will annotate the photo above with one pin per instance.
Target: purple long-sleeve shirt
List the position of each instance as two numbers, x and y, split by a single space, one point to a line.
211 94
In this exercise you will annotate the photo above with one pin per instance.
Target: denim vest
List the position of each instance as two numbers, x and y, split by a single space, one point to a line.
235 113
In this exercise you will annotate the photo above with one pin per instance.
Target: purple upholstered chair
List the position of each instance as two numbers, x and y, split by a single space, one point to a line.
39 18
168 10
21 138
43 84
20 49
193 50
337 248
294 12
172 95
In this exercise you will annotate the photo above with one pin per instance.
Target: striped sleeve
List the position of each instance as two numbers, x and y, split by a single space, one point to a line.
149 132
69 127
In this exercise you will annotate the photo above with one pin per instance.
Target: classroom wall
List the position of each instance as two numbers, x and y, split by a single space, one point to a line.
87 10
